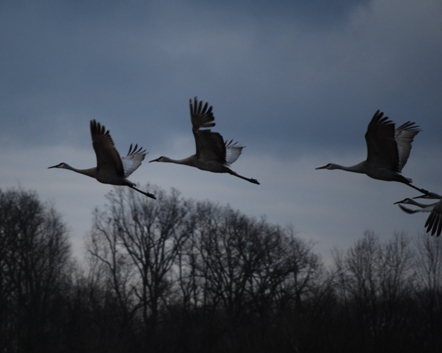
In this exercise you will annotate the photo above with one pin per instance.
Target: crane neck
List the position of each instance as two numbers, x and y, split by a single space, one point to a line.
185 161
357 168
90 172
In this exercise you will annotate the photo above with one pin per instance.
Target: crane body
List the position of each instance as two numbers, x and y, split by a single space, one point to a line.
111 167
213 154
388 150
433 224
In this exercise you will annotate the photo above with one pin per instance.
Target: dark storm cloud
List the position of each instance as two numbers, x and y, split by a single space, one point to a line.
295 74
295 81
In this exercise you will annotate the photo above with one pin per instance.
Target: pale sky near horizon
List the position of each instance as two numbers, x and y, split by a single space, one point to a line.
296 82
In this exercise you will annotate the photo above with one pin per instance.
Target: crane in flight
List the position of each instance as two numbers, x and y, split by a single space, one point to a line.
111 167
388 150
433 224
213 154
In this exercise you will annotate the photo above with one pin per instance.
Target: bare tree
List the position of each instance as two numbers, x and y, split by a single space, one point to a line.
240 272
137 242
374 281
428 268
34 264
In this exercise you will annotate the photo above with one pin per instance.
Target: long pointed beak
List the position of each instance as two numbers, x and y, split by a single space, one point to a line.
323 167
154 160
54 166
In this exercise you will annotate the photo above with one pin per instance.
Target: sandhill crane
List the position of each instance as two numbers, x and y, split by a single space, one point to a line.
213 154
433 224
111 168
387 151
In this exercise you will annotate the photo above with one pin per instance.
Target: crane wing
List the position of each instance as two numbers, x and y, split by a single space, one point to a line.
404 136
232 151
201 115
382 150
107 155
434 220
133 160
210 146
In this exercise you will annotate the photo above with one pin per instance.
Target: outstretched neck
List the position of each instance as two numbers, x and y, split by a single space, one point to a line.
357 168
186 161
90 172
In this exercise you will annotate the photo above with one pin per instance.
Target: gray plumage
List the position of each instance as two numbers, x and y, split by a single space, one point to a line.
213 154
388 150
111 167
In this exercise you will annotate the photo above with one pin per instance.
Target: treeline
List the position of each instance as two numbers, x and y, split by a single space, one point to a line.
179 275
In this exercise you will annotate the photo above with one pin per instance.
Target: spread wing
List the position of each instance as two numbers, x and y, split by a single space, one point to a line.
434 221
382 149
232 151
210 146
404 136
201 115
108 158
133 160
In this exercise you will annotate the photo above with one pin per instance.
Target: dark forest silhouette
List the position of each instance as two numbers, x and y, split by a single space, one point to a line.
179 275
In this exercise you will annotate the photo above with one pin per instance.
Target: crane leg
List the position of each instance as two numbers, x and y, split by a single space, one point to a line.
251 180
144 193
423 191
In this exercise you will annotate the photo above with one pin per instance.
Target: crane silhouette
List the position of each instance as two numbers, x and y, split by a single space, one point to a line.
111 167
213 154
388 150
433 224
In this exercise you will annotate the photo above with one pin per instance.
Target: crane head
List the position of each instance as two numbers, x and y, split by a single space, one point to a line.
61 165
406 201
160 159
327 166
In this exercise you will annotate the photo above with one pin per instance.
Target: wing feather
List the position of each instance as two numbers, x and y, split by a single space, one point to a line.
381 145
233 151
404 136
210 146
201 115
434 222
108 157
388 147
133 159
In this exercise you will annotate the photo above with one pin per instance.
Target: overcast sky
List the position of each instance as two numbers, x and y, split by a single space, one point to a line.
296 82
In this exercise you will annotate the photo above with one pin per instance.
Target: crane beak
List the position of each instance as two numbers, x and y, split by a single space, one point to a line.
59 165
155 160
324 167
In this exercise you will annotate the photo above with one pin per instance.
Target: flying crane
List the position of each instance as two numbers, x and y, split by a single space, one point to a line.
388 150
213 154
111 167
